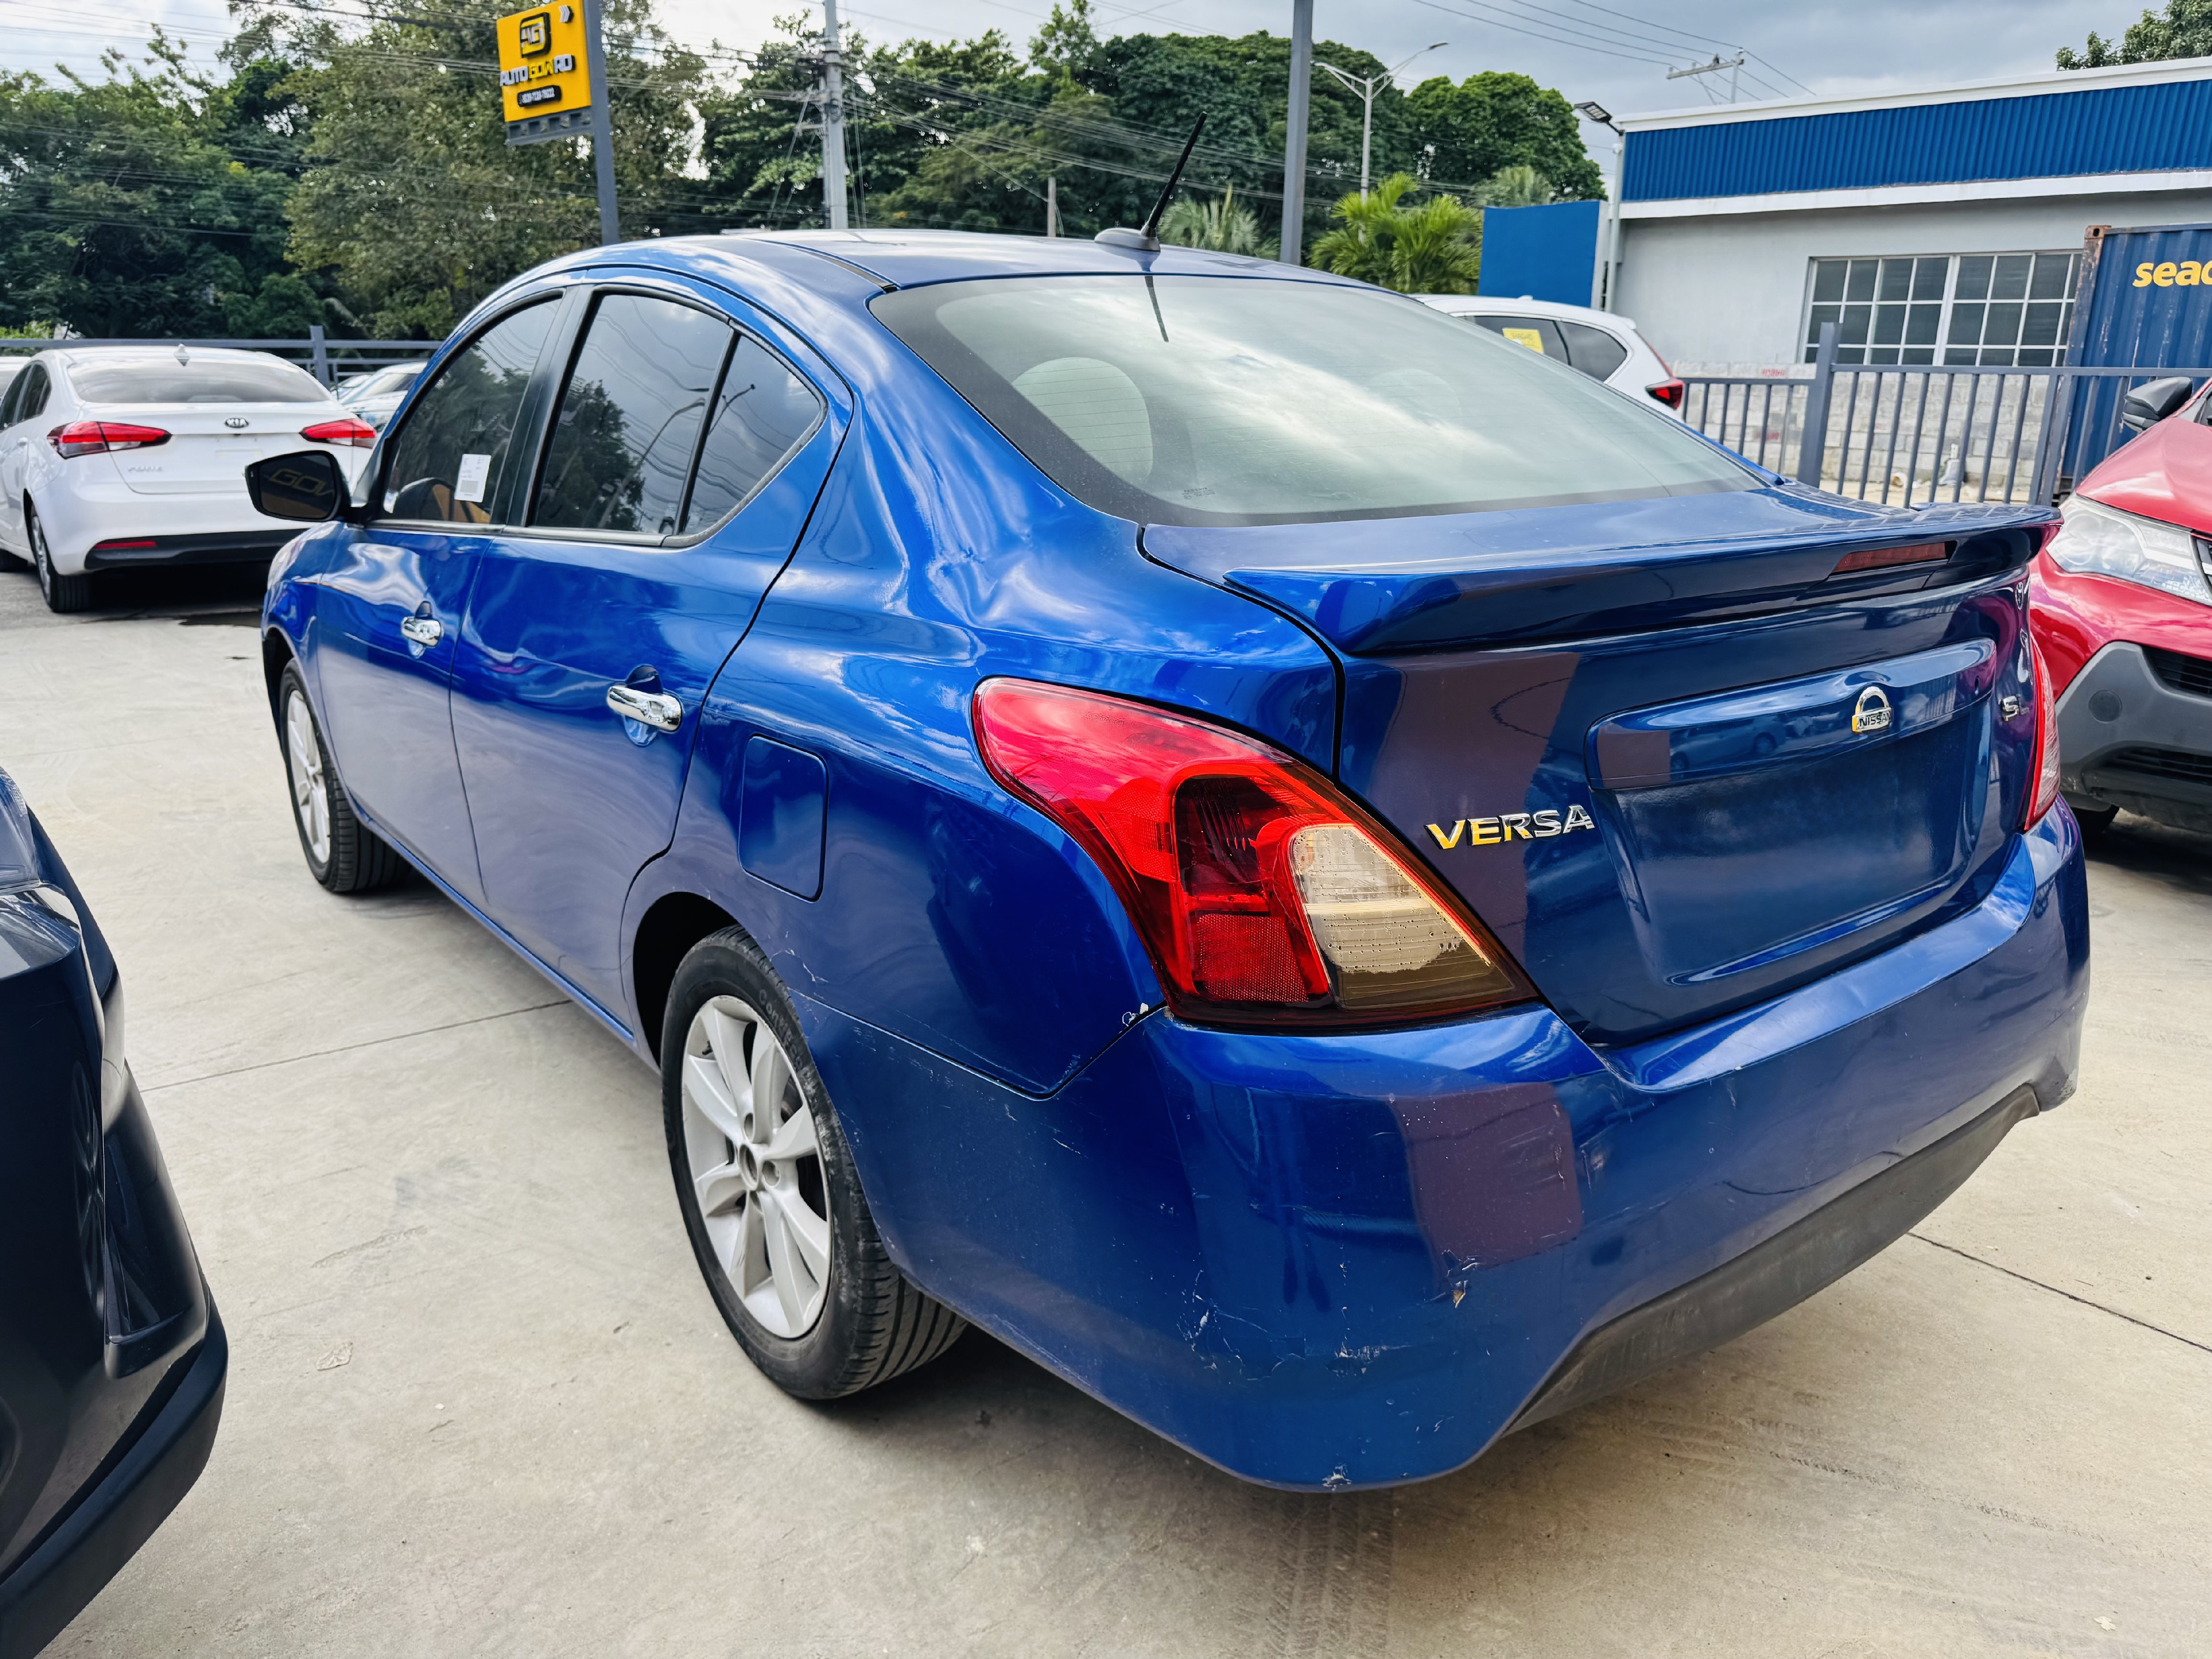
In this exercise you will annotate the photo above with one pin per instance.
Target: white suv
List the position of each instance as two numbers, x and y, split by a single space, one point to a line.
114 457
1601 345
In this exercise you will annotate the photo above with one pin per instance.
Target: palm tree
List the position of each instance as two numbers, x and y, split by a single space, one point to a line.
1221 226
1519 185
1434 248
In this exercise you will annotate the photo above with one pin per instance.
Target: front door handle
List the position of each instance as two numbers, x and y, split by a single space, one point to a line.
654 708
423 630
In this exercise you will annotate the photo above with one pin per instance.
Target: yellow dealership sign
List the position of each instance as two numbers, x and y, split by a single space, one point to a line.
542 68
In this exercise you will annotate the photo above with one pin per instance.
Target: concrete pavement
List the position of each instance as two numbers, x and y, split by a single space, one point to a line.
481 1403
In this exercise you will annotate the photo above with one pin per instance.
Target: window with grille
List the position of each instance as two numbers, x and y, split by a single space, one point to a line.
1994 310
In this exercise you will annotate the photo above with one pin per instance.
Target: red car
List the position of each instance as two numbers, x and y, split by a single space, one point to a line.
2123 609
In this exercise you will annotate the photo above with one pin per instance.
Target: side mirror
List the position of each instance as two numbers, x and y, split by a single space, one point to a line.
2145 406
307 487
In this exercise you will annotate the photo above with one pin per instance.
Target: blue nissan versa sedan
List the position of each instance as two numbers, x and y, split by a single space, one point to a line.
1339 883
111 1359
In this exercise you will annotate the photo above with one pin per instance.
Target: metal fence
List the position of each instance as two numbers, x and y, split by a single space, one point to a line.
1908 434
328 360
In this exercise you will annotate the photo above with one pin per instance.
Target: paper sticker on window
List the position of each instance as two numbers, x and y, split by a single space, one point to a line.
469 484
1533 338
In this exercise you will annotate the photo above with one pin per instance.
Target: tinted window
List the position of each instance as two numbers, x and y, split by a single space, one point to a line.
1536 333
762 411
36 388
1593 351
630 416
1208 400
11 375
449 460
198 381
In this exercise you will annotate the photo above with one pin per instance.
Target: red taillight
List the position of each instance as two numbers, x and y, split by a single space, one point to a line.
1669 392
2044 793
96 437
344 430
1879 558
1264 896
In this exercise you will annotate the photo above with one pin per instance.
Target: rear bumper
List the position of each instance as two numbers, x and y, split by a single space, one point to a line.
2127 738
239 547
55 1581
1358 1260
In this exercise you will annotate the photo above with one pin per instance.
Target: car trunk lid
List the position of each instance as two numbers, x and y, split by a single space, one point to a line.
1674 759
210 444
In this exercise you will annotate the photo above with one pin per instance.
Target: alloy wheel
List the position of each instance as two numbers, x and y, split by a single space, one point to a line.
756 1166
310 791
39 557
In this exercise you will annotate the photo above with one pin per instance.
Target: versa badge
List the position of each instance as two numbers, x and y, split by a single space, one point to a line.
1508 826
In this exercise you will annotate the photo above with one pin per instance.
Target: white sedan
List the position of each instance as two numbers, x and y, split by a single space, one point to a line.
121 457
1601 345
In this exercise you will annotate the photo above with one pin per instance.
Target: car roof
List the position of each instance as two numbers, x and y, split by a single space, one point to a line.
1496 305
165 349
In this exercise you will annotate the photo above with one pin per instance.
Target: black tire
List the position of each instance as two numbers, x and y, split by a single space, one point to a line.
873 1323
65 595
2094 818
353 859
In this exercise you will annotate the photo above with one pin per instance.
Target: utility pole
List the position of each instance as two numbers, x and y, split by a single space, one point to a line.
1366 86
603 128
1051 204
832 120
1294 137
1734 65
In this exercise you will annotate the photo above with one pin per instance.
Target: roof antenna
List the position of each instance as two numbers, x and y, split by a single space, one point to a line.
1148 238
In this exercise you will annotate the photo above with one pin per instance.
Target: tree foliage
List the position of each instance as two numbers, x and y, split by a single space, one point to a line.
1434 248
349 165
2183 30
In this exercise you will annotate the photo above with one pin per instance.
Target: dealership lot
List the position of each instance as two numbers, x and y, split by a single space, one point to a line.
480 1401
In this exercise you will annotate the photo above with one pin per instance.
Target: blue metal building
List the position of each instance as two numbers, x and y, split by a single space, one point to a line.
1937 227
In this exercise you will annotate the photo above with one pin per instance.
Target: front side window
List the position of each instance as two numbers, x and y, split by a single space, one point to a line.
630 416
197 379
1991 310
1215 401
451 457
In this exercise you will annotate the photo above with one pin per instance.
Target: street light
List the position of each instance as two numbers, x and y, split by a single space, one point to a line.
1365 86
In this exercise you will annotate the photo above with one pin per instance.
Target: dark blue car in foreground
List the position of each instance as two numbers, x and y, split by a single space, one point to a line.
1342 886
111 1359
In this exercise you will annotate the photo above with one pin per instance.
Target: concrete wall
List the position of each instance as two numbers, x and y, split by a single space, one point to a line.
1725 295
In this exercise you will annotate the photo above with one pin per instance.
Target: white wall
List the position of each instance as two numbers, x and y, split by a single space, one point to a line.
1726 294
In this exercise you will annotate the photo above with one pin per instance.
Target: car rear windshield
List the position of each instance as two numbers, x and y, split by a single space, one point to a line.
1200 400
201 380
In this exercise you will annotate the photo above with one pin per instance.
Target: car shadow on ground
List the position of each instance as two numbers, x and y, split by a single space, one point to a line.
2178 859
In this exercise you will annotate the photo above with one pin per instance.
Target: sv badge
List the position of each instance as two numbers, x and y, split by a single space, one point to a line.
1508 826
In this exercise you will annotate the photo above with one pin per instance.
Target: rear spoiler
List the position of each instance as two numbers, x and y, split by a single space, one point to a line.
1523 577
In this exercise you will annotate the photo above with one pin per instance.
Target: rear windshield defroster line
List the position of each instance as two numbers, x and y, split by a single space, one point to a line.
1201 400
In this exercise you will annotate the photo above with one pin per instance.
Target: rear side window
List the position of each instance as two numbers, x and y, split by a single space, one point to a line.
11 374
1213 400
27 397
762 411
450 458
1593 351
1537 333
196 380
630 416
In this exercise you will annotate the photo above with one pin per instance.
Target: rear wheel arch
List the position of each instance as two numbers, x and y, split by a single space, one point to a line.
671 925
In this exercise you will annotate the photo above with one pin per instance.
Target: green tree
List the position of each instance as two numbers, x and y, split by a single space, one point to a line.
412 201
1492 121
150 201
1219 225
1435 247
2183 30
1519 185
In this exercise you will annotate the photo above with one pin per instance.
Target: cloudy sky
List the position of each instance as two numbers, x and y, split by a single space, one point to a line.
1617 53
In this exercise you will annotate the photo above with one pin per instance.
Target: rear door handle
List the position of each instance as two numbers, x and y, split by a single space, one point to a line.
423 630
654 708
